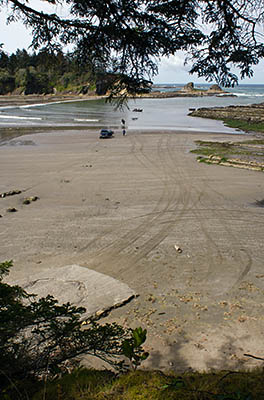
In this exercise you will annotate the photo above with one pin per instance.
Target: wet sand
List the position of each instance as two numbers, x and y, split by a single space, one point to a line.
120 207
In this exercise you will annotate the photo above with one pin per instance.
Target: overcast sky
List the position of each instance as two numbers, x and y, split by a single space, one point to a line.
171 70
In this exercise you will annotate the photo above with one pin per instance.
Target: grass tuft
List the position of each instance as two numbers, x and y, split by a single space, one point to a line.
234 152
244 125
86 384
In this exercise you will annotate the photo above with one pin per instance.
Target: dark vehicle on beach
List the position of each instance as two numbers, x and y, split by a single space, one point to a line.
106 134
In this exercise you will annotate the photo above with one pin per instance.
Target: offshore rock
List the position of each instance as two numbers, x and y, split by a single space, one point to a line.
215 88
189 86
187 91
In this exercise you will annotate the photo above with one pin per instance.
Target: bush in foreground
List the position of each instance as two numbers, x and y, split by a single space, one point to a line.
40 339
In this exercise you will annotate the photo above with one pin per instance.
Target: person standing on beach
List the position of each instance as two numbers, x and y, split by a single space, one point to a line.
123 126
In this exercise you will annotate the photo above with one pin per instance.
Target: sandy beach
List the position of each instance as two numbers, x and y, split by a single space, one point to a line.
187 237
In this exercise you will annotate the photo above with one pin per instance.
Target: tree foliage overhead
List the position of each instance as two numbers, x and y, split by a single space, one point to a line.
128 37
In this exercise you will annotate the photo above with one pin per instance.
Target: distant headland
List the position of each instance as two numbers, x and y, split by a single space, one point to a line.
157 91
187 91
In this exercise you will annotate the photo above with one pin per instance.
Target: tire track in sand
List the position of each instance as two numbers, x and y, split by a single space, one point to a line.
218 266
111 253
182 202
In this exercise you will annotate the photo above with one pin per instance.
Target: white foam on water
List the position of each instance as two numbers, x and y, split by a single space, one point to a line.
52 102
86 120
248 94
16 117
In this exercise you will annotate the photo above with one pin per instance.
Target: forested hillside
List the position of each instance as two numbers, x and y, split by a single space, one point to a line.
43 73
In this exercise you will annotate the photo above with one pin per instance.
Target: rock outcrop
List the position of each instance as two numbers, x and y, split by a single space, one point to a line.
189 87
187 91
250 113
82 287
215 88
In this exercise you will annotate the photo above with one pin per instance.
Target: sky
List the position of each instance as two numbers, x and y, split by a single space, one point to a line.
171 70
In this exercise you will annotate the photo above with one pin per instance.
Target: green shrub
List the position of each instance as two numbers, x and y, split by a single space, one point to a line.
40 338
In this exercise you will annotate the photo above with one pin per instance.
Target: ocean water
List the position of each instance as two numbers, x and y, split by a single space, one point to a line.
169 114
249 91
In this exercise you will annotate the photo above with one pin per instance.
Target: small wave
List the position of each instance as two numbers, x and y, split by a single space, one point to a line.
53 102
25 106
7 107
226 94
86 120
249 94
241 94
32 105
15 117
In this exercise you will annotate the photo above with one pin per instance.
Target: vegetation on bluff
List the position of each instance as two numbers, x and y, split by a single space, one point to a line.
44 72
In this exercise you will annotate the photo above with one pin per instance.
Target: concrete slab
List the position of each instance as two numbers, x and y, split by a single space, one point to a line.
80 286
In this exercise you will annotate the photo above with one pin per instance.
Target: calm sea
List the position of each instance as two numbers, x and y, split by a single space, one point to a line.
167 114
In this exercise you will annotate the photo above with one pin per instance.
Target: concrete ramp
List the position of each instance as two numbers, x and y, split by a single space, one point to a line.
80 286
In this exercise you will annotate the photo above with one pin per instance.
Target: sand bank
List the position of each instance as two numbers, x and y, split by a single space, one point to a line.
33 99
120 207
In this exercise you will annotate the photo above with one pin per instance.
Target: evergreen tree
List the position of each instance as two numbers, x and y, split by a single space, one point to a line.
127 37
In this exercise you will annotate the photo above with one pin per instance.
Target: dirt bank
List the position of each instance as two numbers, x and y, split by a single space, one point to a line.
20 100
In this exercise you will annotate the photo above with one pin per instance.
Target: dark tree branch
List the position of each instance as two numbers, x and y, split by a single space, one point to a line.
128 37
256 358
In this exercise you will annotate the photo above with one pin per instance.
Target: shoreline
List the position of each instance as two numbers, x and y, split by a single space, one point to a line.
226 114
247 117
11 133
24 100
120 207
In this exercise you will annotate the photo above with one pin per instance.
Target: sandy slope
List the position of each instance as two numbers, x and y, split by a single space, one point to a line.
120 206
